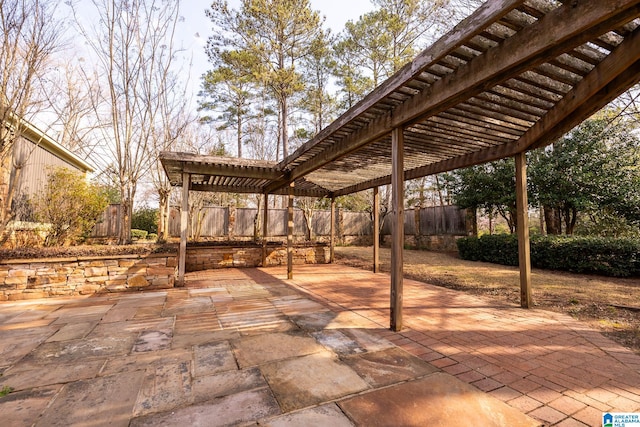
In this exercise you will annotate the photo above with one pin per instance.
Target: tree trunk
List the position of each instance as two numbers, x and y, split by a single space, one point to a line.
571 217
285 133
239 134
163 215
552 221
127 193
6 211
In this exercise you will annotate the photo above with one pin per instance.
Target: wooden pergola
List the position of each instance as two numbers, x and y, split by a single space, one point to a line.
513 76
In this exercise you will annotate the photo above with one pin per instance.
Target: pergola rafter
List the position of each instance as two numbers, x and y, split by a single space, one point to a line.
513 76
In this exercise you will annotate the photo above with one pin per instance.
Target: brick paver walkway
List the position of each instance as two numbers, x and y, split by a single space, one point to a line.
548 365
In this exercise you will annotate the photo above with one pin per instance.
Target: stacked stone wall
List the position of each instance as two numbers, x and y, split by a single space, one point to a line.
210 257
41 278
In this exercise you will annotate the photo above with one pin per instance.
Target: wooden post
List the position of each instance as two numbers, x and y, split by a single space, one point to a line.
522 207
332 238
265 233
184 224
290 234
397 229
376 230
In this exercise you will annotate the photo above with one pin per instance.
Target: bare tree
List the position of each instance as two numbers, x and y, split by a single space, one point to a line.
72 96
134 47
174 125
30 35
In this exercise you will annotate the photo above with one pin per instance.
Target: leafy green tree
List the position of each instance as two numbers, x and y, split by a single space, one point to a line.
71 206
145 218
591 170
489 187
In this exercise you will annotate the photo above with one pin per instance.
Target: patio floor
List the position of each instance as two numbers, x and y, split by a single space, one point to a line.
246 347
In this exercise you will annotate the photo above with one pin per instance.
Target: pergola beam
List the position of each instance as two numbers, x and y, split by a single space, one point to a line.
233 171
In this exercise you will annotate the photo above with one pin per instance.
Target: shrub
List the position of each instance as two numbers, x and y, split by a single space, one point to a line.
70 205
152 236
593 255
497 248
138 234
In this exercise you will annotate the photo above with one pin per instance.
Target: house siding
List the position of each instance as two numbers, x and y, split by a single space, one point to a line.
39 163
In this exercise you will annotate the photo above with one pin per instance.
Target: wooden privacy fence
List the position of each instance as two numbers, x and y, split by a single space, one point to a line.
108 223
432 221
240 222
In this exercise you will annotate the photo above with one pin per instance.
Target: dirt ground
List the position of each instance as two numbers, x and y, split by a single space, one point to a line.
610 304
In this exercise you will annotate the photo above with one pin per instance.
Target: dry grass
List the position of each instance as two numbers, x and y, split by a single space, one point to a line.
594 299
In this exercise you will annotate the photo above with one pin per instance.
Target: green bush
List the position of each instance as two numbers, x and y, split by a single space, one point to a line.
496 248
591 255
145 219
70 205
138 234
152 236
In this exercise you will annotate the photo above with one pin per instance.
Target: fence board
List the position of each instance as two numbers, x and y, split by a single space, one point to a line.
108 224
322 223
443 220
244 224
215 222
356 224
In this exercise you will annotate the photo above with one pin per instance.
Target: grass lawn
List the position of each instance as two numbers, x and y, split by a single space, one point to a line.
610 304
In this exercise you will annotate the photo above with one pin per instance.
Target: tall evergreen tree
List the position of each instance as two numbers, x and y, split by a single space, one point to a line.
228 89
278 34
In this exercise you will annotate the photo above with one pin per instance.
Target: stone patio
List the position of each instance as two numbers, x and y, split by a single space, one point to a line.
246 347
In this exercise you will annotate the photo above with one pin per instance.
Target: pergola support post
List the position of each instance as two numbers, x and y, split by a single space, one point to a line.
290 233
184 224
524 251
332 236
397 233
376 230
265 225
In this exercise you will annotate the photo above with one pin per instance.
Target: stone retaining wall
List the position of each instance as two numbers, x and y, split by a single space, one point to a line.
209 257
41 278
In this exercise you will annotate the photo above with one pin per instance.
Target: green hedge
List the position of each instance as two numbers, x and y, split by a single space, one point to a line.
139 234
593 255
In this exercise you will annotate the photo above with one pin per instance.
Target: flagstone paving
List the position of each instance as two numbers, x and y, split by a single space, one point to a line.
246 347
